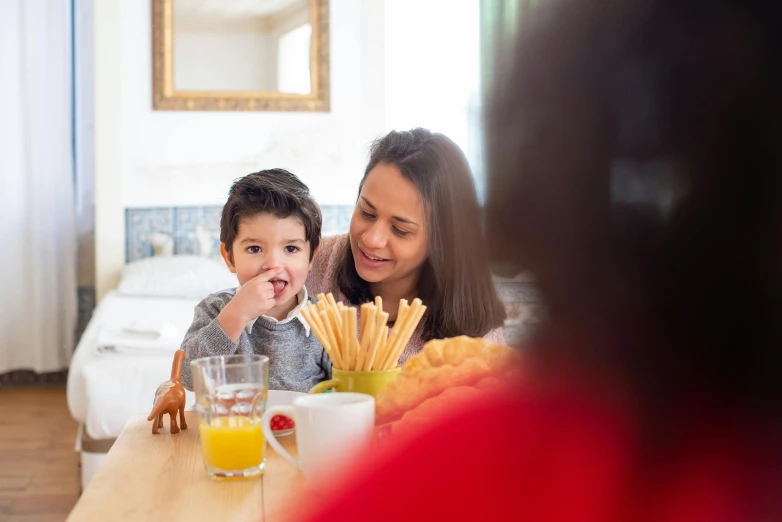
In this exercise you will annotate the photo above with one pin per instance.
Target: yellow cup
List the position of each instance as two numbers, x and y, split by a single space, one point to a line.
371 382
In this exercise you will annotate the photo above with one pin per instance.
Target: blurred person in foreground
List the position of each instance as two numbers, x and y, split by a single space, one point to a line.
635 169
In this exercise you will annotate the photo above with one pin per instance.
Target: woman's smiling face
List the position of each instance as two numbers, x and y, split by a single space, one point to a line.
388 231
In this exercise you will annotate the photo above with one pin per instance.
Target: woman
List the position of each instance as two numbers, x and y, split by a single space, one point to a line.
415 232
643 164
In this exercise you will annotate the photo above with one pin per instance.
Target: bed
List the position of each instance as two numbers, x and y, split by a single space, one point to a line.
127 348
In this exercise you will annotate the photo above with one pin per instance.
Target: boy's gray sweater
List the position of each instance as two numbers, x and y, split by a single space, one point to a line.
297 361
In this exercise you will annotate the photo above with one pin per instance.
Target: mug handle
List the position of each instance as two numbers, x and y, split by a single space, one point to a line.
325 385
266 426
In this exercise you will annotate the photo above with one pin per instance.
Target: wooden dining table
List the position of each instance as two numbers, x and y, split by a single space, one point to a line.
149 477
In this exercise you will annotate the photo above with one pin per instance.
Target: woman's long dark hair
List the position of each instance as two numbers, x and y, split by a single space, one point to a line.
635 169
456 283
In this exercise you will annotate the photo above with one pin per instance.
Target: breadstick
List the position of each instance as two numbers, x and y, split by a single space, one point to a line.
364 313
366 346
361 351
401 315
404 317
367 334
333 303
378 338
315 314
332 337
338 309
402 327
405 335
321 335
347 345
322 305
316 323
336 322
384 337
323 320
314 327
305 313
352 320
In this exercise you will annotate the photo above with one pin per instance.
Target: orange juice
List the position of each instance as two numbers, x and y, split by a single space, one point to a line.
232 443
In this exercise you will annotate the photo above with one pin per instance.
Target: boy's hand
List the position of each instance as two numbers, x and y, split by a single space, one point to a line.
256 296
253 299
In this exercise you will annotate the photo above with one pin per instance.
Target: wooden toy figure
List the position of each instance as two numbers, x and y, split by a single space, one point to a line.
170 398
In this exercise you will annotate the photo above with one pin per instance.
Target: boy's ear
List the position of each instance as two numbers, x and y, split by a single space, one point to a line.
227 258
313 256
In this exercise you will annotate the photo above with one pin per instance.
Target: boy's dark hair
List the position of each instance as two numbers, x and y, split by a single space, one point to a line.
274 191
456 283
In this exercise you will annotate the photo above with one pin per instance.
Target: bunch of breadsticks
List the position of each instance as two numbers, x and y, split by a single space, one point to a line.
371 348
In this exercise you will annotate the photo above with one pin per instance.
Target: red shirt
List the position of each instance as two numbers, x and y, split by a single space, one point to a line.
542 458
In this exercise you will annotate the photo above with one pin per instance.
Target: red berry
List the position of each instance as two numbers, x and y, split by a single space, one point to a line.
281 422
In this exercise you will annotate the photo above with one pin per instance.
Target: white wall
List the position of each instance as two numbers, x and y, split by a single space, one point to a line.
432 60
109 222
151 158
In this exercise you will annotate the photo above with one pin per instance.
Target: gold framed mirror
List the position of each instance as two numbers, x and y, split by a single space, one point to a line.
240 55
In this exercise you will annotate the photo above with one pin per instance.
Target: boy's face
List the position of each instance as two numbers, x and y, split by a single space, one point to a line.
263 242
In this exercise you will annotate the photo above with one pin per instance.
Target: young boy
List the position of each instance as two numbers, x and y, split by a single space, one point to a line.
269 231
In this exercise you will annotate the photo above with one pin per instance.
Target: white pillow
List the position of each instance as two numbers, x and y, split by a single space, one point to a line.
175 276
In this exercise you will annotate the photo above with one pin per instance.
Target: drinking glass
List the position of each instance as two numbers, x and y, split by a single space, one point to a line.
231 392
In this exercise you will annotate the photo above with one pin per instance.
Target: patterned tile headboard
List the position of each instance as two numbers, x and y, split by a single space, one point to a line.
165 231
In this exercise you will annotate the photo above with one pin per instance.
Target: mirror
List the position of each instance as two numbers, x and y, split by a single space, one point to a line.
265 55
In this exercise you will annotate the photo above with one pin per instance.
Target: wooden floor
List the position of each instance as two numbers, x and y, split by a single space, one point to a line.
39 470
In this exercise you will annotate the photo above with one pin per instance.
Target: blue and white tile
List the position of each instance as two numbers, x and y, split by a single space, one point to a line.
148 232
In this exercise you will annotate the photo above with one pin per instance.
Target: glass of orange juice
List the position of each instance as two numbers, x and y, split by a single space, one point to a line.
231 392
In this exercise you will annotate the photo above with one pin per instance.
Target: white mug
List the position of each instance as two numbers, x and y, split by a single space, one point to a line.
329 427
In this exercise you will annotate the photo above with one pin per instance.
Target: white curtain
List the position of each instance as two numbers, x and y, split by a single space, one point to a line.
38 303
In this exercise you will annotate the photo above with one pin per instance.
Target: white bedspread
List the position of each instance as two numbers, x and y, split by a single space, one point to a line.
107 386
